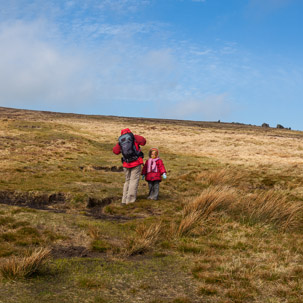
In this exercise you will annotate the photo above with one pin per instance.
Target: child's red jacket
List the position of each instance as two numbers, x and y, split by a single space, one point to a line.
152 176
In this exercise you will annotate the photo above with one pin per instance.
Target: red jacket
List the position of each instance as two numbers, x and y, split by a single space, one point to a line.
154 176
139 140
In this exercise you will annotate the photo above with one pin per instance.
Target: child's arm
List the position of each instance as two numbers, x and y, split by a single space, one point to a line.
161 167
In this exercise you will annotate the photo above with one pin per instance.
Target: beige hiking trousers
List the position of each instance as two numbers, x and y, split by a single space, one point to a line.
132 177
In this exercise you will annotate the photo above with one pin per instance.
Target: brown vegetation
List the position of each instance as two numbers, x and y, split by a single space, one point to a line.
272 207
201 208
144 239
23 267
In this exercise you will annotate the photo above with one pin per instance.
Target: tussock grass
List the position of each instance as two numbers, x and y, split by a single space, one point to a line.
188 222
201 208
23 267
144 239
210 200
273 208
267 207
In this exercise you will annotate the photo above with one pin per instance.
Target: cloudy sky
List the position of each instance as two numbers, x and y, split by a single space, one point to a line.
208 60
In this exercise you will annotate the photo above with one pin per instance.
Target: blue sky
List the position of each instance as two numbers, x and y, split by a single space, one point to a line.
208 60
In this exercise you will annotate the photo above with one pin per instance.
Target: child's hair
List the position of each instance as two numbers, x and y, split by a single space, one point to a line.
153 149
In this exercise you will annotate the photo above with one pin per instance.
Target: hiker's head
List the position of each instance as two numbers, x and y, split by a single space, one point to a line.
153 153
125 131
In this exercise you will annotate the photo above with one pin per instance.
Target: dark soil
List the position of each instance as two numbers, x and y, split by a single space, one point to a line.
43 201
73 252
31 199
98 214
115 169
96 209
100 203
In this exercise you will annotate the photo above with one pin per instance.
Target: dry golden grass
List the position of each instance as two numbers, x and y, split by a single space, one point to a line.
234 275
201 208
249 146
188 223
144 239
210 200
267 207
273 208
94 233
223 176
23 267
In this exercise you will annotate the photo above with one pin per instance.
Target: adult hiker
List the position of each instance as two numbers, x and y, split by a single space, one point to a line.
132 159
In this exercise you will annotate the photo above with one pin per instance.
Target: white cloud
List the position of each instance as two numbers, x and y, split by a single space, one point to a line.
212 107
33 71
128 72
201 52
74 9
262 8
122 6
40 69
105 30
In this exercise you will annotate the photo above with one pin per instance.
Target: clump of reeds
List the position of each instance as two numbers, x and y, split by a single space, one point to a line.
23 267
273 208
143 240
201 208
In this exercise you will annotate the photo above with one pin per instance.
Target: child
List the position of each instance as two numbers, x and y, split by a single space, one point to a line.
152 170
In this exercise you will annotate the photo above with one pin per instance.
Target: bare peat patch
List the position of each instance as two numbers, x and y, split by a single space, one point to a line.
100 203
32 199
96 209
72 252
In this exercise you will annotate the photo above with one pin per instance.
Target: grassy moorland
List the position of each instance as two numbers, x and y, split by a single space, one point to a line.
227 228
